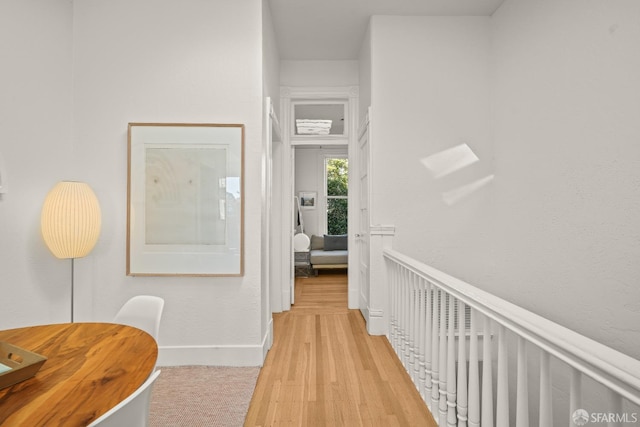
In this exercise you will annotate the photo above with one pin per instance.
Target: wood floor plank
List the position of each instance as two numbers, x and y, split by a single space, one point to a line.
324 369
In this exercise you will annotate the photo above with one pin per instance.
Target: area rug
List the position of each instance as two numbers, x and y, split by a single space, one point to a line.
202 396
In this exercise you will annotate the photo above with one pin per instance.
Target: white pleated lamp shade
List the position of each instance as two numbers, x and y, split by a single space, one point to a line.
70 220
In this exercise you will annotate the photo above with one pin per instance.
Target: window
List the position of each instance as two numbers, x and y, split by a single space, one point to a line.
319 118
337 182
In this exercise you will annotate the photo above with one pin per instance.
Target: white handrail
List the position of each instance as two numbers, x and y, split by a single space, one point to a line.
615 370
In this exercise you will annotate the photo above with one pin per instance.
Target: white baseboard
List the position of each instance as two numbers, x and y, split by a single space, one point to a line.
376 323
267 342
217 355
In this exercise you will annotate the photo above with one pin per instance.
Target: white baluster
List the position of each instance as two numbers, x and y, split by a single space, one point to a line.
407 321
416 331
443 358
402 316
462 366
474 379
616 409
398 340
410 325
435 353
393 272
546 413
487 376
413 334
575 394
399 310
428 345
451 365
422 324
502 404
399 305
522 393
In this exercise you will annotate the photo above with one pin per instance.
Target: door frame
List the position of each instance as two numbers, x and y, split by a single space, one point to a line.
272 192
288 97
364 197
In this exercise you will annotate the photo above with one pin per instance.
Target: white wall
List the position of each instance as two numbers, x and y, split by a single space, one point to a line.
271 58
168 61
545 94
364 77
37 147
318 73
424 101
567 147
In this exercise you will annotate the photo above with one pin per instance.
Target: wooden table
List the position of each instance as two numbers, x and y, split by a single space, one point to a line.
91 367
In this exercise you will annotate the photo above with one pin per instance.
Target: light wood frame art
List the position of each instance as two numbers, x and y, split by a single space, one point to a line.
185 199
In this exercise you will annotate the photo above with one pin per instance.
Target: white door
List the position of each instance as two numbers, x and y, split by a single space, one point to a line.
292 268
364 221
273 207
266 203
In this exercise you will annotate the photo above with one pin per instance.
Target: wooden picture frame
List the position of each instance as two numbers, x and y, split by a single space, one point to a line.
185 199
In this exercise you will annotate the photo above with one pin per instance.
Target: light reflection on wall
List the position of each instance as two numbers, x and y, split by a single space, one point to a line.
453 159
450 160
457 194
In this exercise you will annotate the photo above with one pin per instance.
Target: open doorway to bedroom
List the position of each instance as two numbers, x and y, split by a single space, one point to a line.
321 186
320 136
322 190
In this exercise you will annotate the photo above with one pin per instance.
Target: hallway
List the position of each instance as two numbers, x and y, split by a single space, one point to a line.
325 370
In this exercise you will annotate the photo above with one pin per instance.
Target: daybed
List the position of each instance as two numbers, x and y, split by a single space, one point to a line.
328 251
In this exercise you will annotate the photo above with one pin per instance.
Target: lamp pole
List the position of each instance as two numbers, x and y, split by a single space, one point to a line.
72 289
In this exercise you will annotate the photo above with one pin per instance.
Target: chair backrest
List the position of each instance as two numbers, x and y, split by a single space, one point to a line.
143 312
132 411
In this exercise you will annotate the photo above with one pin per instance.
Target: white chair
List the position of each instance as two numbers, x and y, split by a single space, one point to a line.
143 312
132 411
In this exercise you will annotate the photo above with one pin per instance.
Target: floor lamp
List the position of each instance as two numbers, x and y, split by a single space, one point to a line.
70 222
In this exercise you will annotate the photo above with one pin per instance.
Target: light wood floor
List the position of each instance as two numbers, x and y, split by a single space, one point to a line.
324 369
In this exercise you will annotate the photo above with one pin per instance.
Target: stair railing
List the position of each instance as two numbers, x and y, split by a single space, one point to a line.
475 357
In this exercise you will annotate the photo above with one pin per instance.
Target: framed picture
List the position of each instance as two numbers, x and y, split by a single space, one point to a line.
185 199
308 199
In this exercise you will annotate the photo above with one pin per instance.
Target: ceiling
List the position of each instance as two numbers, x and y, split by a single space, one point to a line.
334 29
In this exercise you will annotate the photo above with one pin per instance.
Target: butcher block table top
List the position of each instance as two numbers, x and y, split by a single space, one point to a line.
90 368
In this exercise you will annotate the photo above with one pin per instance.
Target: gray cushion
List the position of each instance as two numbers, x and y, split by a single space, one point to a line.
328 257
335 242
317 242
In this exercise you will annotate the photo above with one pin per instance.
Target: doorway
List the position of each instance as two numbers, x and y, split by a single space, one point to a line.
303 165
